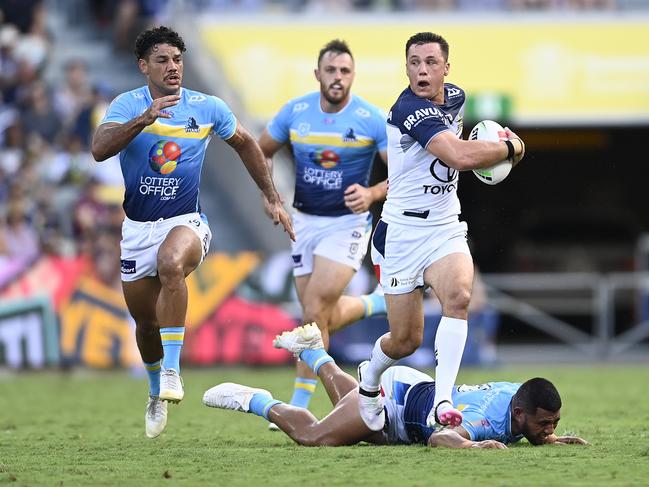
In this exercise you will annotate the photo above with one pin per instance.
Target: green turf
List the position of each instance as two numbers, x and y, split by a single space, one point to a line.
87 429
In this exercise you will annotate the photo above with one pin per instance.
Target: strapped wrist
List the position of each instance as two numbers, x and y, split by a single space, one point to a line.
510 149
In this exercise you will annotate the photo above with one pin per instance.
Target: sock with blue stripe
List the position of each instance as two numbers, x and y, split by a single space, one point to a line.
172 342
303 390
260 404
374 303
315 359
153 371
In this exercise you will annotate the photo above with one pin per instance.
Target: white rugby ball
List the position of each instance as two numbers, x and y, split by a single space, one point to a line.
490 130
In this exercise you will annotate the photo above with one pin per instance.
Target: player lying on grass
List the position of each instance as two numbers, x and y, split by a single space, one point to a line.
494 414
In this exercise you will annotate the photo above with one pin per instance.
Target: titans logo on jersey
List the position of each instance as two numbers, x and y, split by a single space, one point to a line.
331 150
420 182
162 164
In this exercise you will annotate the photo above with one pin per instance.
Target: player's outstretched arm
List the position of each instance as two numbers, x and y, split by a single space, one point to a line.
110 138
253 158
459 438
464 155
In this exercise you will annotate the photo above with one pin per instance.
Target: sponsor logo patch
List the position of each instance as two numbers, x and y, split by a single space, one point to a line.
128 266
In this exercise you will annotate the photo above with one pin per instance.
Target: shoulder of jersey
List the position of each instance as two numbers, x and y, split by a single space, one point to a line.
196 97
302 103
454 93
136 94
365 109
405 105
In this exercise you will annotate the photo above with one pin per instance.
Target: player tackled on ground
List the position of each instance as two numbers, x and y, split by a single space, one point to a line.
495 413
161 132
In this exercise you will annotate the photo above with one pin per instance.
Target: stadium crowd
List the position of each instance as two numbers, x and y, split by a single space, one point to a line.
53 200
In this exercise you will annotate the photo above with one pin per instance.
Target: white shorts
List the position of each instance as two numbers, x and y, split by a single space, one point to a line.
402 253
339 238
395 382
141 241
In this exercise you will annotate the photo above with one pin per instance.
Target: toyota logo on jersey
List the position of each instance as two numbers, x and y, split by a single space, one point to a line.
442 172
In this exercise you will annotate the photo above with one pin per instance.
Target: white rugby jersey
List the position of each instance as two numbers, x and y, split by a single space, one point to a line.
422 189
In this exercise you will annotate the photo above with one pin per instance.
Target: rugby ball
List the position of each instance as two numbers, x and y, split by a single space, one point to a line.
493 131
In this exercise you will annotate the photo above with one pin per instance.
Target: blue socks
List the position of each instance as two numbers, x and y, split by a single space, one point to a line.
303 390
260 404
315 359
153 371
172 342
374 303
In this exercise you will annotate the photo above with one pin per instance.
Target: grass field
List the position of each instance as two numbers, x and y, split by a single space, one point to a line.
87 428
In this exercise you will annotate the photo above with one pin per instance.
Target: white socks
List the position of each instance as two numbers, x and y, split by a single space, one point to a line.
379 363
449 346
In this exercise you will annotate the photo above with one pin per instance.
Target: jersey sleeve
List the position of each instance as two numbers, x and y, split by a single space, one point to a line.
225 123
476 425
280 124
419 119
380 133
121 110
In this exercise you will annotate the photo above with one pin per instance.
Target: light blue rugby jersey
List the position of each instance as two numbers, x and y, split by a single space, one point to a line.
485 410
162 164
331 150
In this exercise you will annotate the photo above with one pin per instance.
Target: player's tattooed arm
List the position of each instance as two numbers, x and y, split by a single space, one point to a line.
459 438
110 138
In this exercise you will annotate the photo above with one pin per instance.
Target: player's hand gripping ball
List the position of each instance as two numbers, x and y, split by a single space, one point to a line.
163 156
490 130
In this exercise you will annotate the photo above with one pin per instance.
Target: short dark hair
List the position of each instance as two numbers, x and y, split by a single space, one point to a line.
337 46
537 393
157 35
428 38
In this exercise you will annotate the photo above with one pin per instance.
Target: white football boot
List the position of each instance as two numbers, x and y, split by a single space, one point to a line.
171 386
231 396
370 403
307 337
155 418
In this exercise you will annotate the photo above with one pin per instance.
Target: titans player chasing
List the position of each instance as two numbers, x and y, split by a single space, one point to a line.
333 136
161 132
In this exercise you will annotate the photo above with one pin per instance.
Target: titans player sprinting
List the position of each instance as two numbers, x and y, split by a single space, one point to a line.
161 132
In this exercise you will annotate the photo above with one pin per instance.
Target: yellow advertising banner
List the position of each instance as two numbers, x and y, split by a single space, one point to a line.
554 72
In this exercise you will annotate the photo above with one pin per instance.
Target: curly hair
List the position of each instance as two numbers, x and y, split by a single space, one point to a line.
157 35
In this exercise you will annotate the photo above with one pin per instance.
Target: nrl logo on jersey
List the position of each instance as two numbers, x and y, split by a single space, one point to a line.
192 126
300 107
197 98
454 92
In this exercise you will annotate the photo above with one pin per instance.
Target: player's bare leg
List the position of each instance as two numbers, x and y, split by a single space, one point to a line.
141 296
318 293
451 278
178 256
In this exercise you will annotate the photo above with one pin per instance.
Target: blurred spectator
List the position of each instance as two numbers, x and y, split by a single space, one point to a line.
18 238
27 15
133 16
40 117
9 66
75 95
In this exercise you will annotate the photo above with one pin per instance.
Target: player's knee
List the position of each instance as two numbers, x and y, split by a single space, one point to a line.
170 268
458 301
